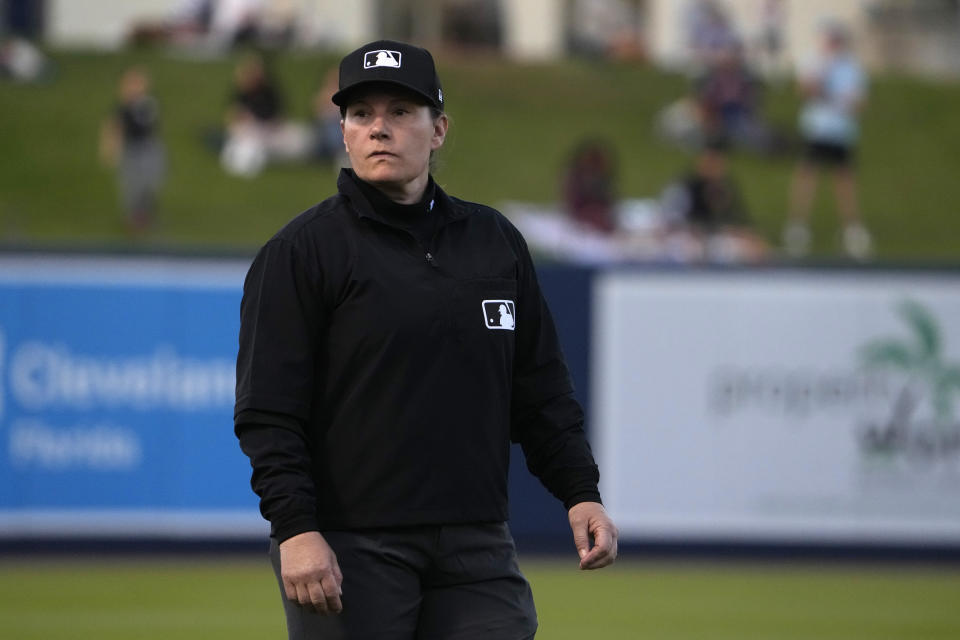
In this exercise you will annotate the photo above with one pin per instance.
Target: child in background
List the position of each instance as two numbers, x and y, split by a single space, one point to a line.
834 88
129 141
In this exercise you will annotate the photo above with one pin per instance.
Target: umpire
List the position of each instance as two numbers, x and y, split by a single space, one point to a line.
393 341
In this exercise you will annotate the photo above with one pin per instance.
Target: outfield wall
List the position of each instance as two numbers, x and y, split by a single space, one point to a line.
774 406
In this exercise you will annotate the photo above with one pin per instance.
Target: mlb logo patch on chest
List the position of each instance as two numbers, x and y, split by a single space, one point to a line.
499 314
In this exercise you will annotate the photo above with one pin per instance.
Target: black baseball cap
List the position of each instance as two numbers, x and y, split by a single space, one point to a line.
391 62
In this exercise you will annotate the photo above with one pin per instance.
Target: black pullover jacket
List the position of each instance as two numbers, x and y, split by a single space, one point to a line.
380 381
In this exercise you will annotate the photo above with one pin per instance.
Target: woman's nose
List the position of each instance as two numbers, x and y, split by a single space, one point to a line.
378 130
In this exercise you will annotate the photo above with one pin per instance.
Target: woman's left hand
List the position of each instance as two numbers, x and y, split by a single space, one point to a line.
590 519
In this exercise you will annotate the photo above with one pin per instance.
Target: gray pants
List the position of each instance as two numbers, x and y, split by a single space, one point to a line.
451 582
142 169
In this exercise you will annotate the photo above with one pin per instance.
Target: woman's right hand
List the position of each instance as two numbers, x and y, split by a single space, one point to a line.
310 573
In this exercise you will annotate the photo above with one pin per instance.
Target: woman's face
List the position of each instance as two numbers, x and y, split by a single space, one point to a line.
389 136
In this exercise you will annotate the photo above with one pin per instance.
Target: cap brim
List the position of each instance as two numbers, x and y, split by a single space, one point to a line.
342 97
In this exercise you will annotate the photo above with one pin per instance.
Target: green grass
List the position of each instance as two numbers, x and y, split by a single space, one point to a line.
513 126
237 599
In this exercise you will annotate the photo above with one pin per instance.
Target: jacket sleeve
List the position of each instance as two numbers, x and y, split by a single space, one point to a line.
281 315
276 446
546 419
280 319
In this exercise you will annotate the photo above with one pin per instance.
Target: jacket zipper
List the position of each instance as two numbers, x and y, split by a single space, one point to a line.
428 255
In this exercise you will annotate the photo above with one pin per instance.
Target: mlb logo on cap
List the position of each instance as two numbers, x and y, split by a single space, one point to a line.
381 58
499 314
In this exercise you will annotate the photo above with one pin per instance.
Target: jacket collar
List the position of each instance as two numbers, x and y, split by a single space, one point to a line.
446 206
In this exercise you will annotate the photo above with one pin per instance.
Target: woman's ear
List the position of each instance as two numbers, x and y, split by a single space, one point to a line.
440 126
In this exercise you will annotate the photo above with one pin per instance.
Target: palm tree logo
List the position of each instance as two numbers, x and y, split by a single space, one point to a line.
920 358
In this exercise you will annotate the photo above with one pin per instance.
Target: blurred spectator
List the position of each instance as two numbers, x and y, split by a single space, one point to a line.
256 96
21 61
129 141
214 26
705 212
679 123
258 131
23 18
188 24
605 29
194 15
771 39
589 186
709 30
834 88
327 135
728 97
471 23
725 102
234 22
276 23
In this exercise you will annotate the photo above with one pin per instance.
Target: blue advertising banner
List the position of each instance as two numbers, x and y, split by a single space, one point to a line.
116 398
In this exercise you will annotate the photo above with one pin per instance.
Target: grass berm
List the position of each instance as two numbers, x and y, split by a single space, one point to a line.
512 128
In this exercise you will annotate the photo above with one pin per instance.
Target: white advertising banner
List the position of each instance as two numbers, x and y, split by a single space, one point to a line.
779 406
